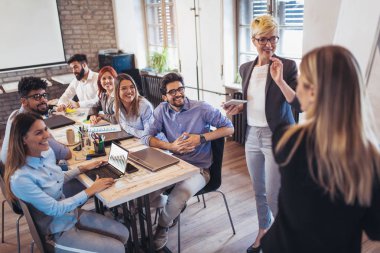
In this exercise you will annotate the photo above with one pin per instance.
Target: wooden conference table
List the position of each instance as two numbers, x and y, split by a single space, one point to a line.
132 190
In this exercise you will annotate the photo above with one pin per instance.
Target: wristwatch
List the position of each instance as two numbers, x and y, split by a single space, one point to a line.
202 138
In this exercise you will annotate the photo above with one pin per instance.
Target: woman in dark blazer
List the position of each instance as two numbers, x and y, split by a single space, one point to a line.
106 86
268 86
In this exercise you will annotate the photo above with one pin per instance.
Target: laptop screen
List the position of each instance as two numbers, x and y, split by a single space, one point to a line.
118 157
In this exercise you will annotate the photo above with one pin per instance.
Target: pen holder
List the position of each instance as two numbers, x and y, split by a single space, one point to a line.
99 147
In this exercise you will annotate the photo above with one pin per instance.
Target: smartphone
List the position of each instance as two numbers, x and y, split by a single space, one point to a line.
130 168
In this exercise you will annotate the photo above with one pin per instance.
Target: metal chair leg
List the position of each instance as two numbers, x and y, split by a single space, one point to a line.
198 199
156 216
18 233
32 247
204 201
2 221
228 211
179 233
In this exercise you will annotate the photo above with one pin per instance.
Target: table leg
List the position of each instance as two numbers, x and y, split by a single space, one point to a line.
132 218
148 222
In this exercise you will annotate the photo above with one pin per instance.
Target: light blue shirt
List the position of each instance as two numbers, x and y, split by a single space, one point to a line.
195 117
137 125
40 182
60 150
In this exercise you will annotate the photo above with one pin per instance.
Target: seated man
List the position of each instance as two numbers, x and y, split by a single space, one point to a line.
186 125
32 91
84 86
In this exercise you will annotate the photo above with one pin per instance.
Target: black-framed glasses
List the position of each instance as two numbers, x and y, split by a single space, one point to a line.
264 41
38 97
174 91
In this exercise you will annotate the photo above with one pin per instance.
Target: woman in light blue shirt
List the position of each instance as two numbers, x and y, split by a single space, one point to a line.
134 112
32 175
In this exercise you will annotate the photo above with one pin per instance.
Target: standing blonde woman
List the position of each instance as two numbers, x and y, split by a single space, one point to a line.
269 90
330 164
134 112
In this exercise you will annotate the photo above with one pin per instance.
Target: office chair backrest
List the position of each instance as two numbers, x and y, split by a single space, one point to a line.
217 147
37 236
15 206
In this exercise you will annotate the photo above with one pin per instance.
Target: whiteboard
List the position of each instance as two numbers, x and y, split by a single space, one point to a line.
358 30
30 34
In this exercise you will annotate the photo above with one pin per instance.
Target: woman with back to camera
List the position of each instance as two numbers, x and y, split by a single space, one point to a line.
269 91
31 174
133 112
329 164
106 85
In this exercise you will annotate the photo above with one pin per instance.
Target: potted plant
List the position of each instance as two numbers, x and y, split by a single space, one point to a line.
158 60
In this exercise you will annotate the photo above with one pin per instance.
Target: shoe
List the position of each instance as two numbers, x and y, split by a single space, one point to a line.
160 238
252 249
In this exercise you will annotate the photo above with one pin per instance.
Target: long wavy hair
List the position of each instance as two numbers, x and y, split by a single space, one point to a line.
17 150
134 109
102 71
339 127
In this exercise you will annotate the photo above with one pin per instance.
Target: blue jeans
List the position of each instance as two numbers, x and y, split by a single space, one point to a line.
264 173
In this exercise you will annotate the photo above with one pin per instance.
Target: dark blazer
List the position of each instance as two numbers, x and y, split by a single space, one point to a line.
277 109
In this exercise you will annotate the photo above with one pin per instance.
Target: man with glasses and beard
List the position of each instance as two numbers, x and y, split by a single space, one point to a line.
84 85
186 125
33 98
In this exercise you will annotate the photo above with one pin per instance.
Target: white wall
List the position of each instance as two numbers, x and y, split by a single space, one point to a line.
130 29
320 21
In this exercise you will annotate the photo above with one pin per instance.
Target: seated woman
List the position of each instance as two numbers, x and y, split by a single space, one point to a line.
32 175
134 112
329 164
106 81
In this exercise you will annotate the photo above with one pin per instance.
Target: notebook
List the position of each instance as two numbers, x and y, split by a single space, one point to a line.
117 164
116 136
153 159
56 121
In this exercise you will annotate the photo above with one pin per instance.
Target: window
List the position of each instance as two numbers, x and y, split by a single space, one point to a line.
289 16
161 30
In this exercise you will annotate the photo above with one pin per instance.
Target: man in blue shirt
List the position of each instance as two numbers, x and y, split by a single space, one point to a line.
186 124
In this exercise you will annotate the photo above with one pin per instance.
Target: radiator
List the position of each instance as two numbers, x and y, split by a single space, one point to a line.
237 120
151 88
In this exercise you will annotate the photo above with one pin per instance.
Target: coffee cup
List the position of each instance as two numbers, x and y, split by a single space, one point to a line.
70 135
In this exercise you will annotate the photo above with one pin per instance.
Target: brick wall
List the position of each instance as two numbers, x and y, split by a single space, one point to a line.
87 26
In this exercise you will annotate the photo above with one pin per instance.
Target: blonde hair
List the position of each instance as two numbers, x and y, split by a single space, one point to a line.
339 128
263 24
17 150
134 110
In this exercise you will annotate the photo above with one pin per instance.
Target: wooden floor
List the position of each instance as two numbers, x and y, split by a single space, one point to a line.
202 230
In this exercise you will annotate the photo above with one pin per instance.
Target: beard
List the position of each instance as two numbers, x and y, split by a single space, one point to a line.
41 108
80 75
178 101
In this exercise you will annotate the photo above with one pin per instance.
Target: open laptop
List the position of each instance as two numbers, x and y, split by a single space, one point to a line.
116 137
56 121
117 164
153 159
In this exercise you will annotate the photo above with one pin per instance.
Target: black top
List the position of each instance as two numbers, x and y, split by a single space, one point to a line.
308 220
277 110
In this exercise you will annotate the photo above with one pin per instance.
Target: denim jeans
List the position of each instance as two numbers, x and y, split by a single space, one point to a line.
264 173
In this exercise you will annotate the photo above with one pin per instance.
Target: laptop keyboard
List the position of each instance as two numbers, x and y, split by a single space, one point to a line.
102 172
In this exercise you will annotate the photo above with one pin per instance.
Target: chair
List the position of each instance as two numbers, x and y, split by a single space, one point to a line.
213 185
16 209
37 236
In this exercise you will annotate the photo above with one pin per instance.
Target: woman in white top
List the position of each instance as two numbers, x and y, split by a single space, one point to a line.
133 112
269 90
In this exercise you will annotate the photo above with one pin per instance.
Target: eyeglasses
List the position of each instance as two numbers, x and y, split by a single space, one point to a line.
264 41
174 91
38 97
